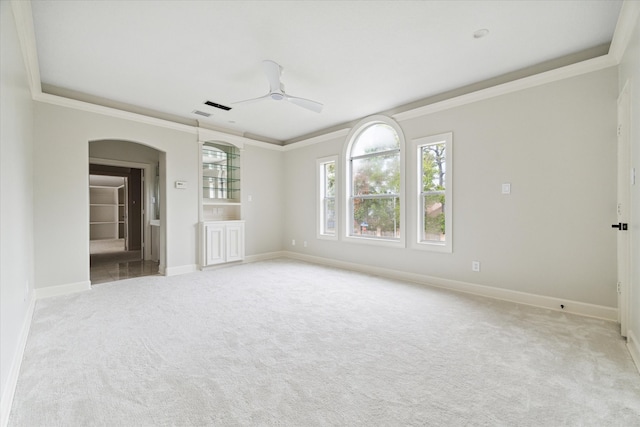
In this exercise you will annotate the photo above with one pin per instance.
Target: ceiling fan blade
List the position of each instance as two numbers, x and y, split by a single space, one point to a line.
272 71
249 101
305 103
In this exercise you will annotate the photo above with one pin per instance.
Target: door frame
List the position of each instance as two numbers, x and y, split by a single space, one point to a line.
623 208
147 171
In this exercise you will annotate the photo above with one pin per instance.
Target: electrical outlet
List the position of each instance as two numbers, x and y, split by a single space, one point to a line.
293 242
475 266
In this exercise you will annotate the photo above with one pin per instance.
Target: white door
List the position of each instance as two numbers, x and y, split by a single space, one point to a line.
235 242
623 208
214 244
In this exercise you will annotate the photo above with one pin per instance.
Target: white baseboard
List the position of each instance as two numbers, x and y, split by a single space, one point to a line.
634 348
264 257
54 291
181 269
246 260
12 380
574 307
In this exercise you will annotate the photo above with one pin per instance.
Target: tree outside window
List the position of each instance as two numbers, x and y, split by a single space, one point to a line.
435 192
327 206
375 183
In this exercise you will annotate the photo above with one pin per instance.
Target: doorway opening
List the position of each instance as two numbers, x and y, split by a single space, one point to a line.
116 218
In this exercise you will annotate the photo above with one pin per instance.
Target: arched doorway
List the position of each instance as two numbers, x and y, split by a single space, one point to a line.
125 188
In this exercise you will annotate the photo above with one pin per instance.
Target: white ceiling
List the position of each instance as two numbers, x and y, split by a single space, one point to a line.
356 57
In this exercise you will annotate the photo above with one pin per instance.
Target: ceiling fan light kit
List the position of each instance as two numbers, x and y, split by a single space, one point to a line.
273 72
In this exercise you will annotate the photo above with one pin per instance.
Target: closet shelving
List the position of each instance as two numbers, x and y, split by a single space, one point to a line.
106 212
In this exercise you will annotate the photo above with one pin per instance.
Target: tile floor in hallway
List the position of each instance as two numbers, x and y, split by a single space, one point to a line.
110 262
110 272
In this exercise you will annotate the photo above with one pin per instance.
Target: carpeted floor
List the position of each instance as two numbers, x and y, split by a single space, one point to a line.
293 344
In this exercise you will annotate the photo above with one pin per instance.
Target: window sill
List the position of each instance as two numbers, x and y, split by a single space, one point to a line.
327 236
372 241
433 247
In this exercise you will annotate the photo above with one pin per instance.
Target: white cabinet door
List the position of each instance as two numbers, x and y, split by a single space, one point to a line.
235 242
223 242
214 237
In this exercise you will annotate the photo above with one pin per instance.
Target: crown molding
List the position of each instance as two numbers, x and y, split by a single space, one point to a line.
316 139
624 29
23 17
112 112
207 135
551 76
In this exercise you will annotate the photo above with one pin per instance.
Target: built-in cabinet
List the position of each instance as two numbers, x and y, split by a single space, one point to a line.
221 224
223 242
221 181
106 212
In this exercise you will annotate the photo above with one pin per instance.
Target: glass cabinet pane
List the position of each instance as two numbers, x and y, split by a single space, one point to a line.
220 172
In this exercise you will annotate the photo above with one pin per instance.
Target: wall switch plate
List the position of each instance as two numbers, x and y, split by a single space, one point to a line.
475 266
304 244
506 188
293 242
250 198
181 184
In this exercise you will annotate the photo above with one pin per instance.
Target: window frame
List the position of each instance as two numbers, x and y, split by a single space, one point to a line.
348 183
320 198
419 242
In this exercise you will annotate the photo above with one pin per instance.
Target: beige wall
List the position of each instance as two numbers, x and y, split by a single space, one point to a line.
16 201
61 196
263 180
61 199
554 143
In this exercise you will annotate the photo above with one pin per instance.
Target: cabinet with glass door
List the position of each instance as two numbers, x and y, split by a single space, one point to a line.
221 224
220 182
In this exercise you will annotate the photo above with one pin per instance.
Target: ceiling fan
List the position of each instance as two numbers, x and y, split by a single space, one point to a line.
276 89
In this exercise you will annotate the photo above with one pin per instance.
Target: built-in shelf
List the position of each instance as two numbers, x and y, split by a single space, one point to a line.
220 182
106 213
221 226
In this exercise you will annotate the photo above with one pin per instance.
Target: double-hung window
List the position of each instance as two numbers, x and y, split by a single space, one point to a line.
374 182
326 173
434 192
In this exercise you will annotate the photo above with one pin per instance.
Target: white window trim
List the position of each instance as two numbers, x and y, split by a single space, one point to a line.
348 214
319 198
418 243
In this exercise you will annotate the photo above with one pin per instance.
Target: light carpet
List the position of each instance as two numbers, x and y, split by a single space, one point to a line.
286 343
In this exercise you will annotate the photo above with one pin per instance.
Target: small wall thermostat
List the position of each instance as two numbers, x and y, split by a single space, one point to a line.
181 184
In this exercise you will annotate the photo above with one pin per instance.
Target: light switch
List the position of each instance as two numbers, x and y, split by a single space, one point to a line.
506 188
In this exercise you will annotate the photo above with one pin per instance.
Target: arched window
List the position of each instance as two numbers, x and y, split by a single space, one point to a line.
374 159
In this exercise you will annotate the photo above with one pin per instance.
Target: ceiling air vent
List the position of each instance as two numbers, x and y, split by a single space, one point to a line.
216 105
201 113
